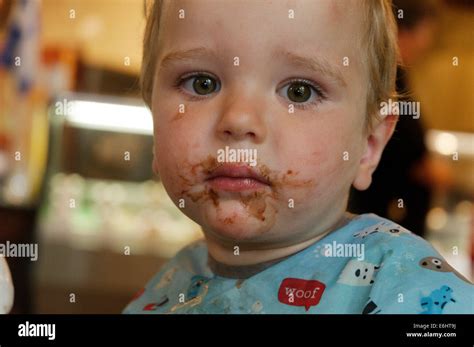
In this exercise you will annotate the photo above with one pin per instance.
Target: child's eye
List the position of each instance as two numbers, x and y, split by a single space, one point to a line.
299 92
303 93
198 84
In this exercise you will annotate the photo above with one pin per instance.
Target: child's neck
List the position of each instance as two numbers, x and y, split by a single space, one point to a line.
224 262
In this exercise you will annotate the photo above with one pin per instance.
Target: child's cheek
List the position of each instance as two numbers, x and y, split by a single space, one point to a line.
174 150
315 154
334 165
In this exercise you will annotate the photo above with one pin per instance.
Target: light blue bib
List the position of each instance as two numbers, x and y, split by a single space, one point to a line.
370 265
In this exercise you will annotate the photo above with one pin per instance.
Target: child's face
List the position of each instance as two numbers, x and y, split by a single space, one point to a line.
309 158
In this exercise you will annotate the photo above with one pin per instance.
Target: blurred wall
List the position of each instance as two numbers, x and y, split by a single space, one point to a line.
446 92
105 32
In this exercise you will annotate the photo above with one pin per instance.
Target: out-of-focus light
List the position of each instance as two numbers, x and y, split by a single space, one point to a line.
16 189
447 143
436 218
110 117
464 208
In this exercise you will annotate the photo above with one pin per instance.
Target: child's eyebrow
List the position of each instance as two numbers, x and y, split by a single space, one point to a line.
187 55
317 65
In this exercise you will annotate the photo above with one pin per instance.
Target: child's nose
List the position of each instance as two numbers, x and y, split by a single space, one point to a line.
242 119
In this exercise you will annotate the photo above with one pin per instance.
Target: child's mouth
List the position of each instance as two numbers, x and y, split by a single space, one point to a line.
209 180
236 178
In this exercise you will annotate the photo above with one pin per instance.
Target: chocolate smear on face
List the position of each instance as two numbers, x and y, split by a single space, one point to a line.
214 197
255 202
193 172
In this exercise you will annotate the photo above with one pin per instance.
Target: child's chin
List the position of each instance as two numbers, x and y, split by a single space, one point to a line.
235 221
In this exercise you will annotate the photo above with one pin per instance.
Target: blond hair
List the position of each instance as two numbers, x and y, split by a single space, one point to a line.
379 39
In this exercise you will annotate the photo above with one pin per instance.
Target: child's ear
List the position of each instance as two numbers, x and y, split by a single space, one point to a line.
376 139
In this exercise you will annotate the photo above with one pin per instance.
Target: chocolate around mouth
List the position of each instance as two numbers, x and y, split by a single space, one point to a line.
255 202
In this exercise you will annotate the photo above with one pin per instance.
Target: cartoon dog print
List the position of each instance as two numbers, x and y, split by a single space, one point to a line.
371 308
358 273
196 292
384 227
196 287
437 300
440 265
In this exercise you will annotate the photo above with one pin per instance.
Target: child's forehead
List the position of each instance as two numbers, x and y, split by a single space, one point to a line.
263 14
314 36
322 25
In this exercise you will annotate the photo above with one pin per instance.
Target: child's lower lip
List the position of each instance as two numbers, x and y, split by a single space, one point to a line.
235 184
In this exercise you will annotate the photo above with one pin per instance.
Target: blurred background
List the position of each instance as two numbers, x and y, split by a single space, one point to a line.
76 150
